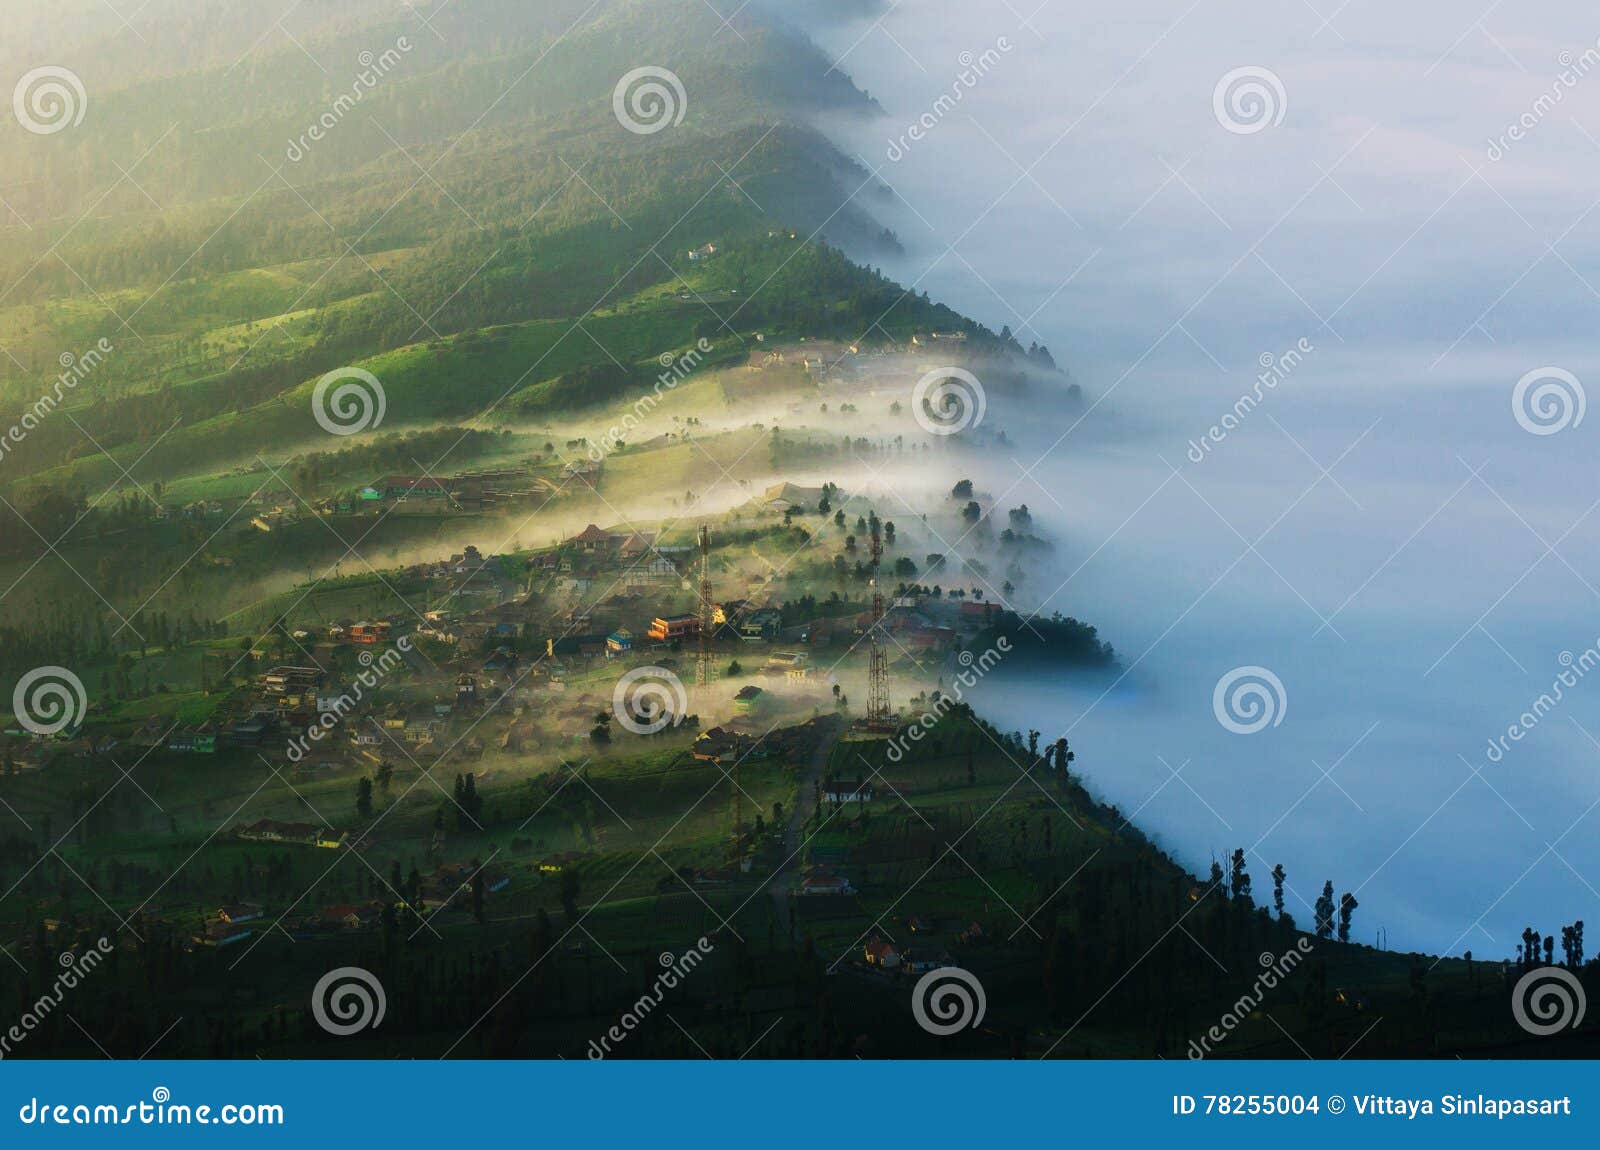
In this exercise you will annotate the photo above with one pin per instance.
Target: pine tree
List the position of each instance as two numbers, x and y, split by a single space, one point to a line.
1347 907
1324 911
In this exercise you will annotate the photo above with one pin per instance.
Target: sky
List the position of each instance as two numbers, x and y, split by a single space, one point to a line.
1399 524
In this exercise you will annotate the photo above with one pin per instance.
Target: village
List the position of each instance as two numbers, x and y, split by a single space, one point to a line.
511 661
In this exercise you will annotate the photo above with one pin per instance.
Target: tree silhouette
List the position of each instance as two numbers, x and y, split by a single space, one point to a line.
1241 879
1347 907
1323 911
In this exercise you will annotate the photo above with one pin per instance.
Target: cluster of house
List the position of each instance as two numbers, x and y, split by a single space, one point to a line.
447 886
736 742
914 959
921 954
822 879
297 834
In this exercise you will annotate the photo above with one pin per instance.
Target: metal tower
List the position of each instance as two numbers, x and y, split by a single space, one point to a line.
702 682
708 613
878 714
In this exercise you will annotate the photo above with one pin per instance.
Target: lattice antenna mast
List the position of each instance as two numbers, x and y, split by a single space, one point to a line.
702 680
878 660
708 611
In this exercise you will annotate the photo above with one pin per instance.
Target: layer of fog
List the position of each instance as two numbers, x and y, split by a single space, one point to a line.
1417 597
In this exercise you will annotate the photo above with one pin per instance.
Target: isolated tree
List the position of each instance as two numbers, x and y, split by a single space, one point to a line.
1530 946
1347 907
569 895
1064 760
364 797
962 490
1278 875
1323 911
1241 878
477 893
